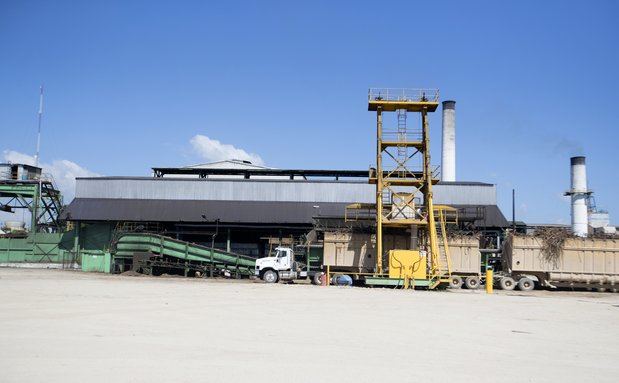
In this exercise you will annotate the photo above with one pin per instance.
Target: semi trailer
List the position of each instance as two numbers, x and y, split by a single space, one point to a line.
353 254
465 261
581 262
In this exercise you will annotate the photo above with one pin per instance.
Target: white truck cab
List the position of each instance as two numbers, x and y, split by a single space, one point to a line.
281 266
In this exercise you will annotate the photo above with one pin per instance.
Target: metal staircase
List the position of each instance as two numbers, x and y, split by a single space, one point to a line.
444 259
51 202
440 269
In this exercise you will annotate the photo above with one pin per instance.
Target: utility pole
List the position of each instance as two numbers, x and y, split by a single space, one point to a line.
514 210
36 156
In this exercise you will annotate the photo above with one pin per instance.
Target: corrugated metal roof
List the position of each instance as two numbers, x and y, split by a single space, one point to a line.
314 191
99 209
225 190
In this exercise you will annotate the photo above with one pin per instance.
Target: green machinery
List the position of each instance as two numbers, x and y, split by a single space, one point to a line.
92 247
35 193
98 248
151 252
23 188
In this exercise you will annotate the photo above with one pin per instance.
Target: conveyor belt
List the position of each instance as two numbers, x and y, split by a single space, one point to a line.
131 243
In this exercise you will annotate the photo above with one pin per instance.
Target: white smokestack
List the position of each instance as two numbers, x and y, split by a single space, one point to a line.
579 195
448 159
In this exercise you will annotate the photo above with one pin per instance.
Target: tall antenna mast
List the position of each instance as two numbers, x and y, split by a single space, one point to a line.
36 156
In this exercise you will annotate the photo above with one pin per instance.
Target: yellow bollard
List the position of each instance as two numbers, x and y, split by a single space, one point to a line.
489 281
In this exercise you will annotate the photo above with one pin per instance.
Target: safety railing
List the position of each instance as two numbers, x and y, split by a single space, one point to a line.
408 136
403 94
359 211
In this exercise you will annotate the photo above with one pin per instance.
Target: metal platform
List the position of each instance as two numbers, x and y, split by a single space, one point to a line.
411 100
395 282
249 173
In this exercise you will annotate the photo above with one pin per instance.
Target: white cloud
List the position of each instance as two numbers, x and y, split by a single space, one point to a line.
63 171
18 158
213 150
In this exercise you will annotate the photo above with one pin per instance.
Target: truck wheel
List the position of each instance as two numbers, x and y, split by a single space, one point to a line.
317 279
471 283
507 283
526 284
455 282
270 276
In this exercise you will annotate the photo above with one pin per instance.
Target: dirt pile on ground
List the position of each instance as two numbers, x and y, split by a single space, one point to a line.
131 273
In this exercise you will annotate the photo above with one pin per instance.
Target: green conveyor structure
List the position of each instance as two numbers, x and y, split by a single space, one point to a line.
129 244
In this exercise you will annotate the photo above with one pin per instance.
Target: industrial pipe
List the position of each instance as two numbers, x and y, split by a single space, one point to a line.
579 195
448 158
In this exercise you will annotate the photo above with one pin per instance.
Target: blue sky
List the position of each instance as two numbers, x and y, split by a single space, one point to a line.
129 84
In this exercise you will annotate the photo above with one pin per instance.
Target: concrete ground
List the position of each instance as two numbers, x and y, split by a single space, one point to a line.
61 326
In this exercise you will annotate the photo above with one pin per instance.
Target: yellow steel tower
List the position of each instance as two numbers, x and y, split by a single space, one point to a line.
403 174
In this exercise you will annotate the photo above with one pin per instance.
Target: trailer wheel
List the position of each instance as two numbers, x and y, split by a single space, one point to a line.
270 276
455 282
507 283
317 279
526 284
471 283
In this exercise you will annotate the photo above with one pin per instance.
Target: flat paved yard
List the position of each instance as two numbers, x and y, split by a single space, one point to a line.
62 326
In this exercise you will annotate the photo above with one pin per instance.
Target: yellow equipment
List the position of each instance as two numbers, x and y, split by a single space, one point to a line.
407 264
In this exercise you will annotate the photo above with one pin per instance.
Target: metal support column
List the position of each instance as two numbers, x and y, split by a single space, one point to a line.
35 208
379 192
428 196
76 241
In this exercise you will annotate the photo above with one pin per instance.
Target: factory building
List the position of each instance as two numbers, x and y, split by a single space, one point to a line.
242 207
